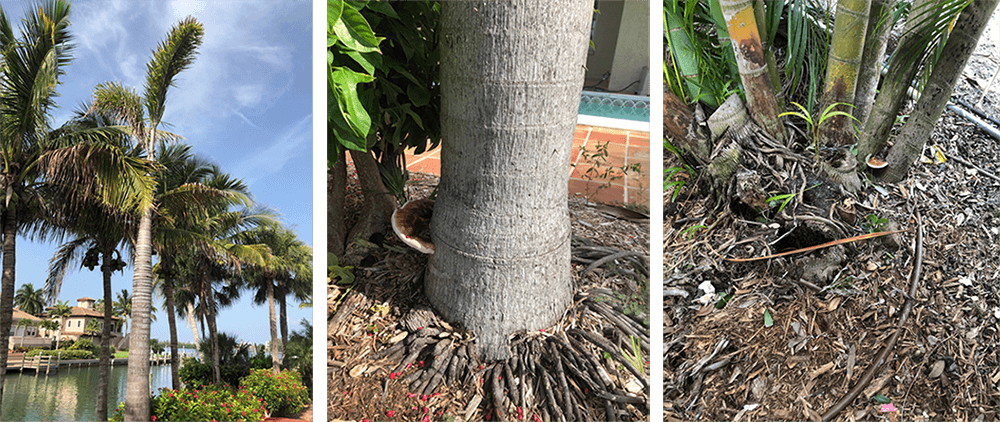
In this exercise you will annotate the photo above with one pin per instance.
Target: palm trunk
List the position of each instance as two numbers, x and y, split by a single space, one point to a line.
683 53
137 389
168 292
511 78
846 50
893 91
879 26
275 363
957 50
337 231
208 300
7 294
379 205
283 321
105 369
749 52
192 322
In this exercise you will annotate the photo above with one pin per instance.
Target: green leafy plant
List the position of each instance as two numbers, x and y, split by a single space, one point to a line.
691 231
339 275
768 321
599 168
634 356
281 394
721 303
814 126
212 403
63 354
670 179
874 223
194 373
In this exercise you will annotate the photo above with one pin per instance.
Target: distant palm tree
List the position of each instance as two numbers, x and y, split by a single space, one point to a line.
30 300
184 179
23 324
50 325
61 310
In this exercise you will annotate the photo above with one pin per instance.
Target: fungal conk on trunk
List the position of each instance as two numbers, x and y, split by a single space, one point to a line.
412 224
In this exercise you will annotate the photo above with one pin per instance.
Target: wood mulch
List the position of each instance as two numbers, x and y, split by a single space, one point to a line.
391 358
728 364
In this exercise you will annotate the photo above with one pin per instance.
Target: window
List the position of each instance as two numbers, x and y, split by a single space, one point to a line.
78 323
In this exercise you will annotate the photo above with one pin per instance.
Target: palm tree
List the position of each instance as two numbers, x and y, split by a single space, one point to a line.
30 300
32 66
61 310
280 266
23 324
171 57
50 325
223 259
99 231
185 179
122 308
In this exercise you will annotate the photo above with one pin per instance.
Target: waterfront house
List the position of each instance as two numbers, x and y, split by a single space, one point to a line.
73 327
25 335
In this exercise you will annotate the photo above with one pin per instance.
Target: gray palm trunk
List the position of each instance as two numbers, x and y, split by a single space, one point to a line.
275 362
511 75
957 50
7 286
137 393
175 362
208 299
105 364
893 93
192 323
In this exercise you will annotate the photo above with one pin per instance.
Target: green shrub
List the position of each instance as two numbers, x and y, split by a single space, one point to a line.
212 403
283 394
85 344
194 373
64 354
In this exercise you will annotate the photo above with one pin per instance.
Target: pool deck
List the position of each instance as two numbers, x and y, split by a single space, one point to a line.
598 155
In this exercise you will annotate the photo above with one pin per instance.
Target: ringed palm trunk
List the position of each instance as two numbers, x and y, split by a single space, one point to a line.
283 321
511 73
208 299
137 393
275 363
749 52
7 286
846 50
105 368
879 24
168 293
192 321
893 91
957 50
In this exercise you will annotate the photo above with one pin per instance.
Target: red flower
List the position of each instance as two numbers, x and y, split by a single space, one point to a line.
390 413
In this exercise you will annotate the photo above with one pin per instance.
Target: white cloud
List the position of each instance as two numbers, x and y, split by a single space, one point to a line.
267 161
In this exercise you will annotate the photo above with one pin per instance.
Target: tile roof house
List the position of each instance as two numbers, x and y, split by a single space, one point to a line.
25 335
73 327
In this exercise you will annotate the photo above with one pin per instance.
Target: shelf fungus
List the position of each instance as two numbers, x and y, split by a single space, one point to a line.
412 224
876 162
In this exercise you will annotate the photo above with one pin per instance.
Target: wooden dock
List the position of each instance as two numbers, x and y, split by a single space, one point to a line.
37 363
44 364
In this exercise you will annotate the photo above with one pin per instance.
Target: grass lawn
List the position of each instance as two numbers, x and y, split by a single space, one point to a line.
121 354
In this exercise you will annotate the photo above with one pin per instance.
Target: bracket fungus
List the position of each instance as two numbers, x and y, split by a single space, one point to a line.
412 223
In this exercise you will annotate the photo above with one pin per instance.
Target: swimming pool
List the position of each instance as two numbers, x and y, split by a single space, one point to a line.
617 111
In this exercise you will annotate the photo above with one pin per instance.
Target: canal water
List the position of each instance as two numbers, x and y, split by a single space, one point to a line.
69 394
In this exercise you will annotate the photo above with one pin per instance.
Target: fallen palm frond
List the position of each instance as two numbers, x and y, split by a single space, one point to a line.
812 248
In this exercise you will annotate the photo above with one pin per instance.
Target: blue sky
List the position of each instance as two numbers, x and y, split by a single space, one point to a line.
245 104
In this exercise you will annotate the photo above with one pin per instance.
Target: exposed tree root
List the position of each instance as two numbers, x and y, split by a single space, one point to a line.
551 376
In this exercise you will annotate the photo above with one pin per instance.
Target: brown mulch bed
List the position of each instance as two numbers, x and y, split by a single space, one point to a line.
383 336
726 364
